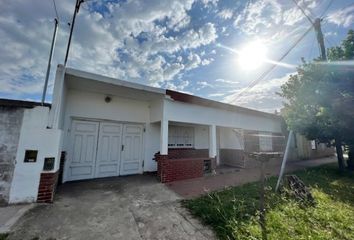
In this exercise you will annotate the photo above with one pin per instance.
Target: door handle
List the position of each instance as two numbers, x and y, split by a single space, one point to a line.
122 147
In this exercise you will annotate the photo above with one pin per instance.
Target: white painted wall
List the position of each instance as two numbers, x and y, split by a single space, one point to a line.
156 110
190 113
56 116
152 140
201 137
92 105
34 136
88 105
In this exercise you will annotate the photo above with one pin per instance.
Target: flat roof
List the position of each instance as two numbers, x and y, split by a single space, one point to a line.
175 95
113 81
21 103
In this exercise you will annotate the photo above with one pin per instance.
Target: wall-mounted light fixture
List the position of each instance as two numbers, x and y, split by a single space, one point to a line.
108 99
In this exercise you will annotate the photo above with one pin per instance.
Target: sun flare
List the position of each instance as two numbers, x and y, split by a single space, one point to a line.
252 56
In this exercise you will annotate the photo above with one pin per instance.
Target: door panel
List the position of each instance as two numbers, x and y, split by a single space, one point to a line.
82 154
104 149
109 148
133 148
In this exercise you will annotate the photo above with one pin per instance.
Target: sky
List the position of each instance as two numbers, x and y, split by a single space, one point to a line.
187 45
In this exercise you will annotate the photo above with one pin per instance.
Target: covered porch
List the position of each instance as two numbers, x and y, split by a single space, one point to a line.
190 150
187 150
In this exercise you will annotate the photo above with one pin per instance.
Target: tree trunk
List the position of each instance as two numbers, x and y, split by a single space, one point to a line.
351 157
340 157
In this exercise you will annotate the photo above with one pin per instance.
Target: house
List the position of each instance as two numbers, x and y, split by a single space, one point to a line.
99 127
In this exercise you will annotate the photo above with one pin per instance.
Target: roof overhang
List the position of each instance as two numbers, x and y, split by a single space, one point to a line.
90 82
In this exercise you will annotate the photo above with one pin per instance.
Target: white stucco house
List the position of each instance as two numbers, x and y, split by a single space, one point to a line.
99 127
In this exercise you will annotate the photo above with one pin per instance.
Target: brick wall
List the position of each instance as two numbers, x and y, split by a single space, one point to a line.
180 169
47 187
174 153
182 164
10 127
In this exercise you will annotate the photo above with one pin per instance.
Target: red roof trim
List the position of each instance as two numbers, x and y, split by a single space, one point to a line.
187 98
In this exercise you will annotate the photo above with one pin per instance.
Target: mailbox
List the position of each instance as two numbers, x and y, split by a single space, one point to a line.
31 156
48 164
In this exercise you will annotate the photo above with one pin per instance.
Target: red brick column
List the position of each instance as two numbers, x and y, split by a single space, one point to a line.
161 166
47 187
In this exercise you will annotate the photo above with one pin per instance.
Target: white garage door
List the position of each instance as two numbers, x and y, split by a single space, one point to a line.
104 149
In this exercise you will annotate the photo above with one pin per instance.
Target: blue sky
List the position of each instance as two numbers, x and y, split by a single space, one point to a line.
181 45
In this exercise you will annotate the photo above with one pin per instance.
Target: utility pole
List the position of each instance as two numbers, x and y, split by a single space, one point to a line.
56 23
320 40
77 7
317 26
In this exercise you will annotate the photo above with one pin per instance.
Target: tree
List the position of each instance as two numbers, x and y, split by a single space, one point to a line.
320 99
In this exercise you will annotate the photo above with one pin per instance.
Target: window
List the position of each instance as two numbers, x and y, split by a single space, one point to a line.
180 137
313 145
265 142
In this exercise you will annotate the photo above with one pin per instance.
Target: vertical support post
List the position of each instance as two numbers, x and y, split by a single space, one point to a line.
212 141
57 99
262 217
285 158
164 137
50 59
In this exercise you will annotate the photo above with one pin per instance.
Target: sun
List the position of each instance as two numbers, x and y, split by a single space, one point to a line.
252 56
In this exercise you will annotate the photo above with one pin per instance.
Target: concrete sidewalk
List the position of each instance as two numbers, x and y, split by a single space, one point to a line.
198 186
10 214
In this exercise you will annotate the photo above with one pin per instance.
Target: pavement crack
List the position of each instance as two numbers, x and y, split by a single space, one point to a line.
136 220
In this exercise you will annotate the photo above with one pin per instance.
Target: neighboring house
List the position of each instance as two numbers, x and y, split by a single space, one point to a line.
102 127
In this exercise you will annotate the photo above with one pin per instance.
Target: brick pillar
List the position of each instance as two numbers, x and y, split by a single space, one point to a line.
161 166
47 187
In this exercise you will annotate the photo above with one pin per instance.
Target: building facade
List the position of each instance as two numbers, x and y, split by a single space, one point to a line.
103 127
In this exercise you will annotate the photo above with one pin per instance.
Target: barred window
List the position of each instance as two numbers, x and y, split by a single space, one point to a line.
180 137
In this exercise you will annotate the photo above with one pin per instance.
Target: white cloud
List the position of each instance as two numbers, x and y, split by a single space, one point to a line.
343 17
193 61
225 14
104 43
224 81
268 18
262 97
259 15
212 2
207 61
216 95
204 84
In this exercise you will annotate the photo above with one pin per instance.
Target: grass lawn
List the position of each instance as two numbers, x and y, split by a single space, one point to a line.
232 213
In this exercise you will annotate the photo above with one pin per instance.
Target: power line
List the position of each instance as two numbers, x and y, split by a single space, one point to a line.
347 6
303 11
261 77
327 8
55 9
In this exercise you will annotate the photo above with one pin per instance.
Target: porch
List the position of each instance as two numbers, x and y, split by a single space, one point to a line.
190 150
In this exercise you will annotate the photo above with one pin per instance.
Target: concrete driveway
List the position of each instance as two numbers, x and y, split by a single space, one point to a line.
134 207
